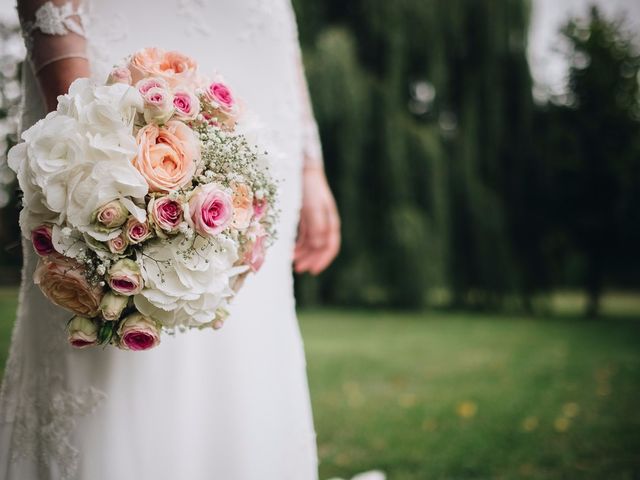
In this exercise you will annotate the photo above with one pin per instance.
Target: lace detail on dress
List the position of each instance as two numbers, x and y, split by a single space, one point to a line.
56 20
52 32
311 143
264 17
44 430
52 19
35 398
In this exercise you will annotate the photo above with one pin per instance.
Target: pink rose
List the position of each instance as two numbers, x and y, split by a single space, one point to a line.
41 239
220 97
158 105
143 86
166 214
167 156
63 281
138 332
259 207
186 105
173 67
118 244
119 75
211 209
136 231
255 255
124 277
82 332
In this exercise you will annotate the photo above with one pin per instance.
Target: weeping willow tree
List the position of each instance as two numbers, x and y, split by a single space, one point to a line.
424 108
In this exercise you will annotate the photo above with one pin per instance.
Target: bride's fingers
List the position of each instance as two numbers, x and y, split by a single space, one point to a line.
317 227
312 226
302 234
328 253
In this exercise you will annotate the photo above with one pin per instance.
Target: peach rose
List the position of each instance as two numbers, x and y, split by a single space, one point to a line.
167 156
242 206
62 281
174 67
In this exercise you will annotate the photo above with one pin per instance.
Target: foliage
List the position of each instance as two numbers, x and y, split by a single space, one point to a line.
11 52
448 176
592 157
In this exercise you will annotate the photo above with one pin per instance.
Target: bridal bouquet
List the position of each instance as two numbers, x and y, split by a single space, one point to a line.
146 200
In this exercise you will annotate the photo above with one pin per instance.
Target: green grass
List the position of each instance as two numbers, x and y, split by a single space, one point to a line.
440 395
460 396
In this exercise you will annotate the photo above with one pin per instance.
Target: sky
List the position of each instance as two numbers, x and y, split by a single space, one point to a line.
547 63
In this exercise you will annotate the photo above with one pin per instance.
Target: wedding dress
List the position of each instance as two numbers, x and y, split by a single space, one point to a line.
225 405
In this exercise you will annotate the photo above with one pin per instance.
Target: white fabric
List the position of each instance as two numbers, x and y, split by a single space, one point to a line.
226 405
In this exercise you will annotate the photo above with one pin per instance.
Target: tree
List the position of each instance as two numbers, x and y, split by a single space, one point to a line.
593 156
432 183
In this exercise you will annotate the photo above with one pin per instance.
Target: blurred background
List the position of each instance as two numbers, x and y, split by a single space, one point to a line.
483 318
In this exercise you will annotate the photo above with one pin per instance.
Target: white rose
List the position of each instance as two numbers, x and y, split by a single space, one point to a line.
79 158
104 107
185 287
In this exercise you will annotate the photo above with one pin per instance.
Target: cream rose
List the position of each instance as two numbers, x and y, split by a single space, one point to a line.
167 156
62 281
82 332
158 105
111 215
124 277
112 306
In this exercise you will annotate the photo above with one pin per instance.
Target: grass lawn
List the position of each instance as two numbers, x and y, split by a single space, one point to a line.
441 395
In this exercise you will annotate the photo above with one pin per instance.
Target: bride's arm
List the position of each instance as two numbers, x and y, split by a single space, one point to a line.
319 230
56 44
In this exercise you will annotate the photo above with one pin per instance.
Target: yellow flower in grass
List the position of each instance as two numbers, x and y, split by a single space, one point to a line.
571 409
529 424
467 409
562 424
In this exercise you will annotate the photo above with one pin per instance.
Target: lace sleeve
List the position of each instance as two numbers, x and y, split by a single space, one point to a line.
312 147
52 30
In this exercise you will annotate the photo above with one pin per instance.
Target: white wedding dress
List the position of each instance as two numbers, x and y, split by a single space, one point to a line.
226 405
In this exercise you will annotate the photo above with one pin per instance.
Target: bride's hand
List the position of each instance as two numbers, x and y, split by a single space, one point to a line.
319 230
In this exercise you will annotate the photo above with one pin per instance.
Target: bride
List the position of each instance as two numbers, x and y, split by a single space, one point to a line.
227 405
